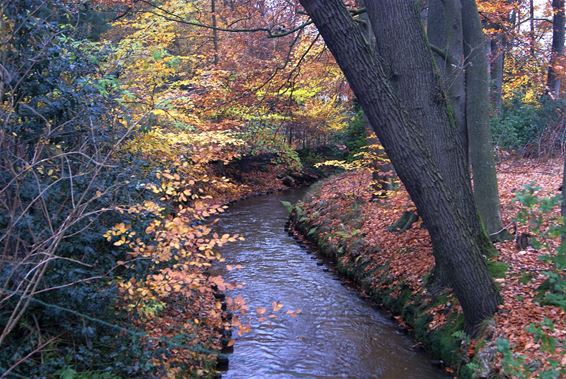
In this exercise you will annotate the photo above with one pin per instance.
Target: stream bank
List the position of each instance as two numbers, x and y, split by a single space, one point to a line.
331 220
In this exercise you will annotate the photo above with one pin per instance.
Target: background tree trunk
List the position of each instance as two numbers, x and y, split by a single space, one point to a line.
367 30
486 193
214 30
532 27
558 28
563 205
452 236
497 67
445 33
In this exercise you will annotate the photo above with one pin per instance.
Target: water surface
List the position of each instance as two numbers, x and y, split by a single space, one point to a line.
337 335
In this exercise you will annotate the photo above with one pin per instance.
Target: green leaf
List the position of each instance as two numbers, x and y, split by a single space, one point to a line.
287 205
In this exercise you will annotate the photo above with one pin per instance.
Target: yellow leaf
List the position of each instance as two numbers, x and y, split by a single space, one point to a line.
276 306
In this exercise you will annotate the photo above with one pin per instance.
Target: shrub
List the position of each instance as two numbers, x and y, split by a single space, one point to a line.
530 129
58 181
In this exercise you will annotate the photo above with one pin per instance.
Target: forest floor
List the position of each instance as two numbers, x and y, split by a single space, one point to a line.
409 259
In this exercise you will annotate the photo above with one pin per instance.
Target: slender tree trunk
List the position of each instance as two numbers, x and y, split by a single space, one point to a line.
366 28
482 158
214 30
563 208
532 27
497 67
445 33
558 27
446 135
405 143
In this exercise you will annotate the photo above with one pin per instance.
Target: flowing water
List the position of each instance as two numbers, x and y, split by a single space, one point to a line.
337 335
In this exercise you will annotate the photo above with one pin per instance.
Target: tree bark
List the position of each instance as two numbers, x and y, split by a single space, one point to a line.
404 141
445 33
366 28
563 205
532 27
418 85
416 81
214 30
482 158
558 31
497 67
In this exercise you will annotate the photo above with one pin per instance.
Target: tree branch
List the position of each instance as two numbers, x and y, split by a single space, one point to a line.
269 31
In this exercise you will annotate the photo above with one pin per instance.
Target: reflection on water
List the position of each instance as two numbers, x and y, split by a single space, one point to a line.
337 335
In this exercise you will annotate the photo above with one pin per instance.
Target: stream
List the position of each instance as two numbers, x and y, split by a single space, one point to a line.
337 334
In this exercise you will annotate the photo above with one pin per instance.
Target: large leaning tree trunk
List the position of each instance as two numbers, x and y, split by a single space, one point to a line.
403 138
486 193
558 30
